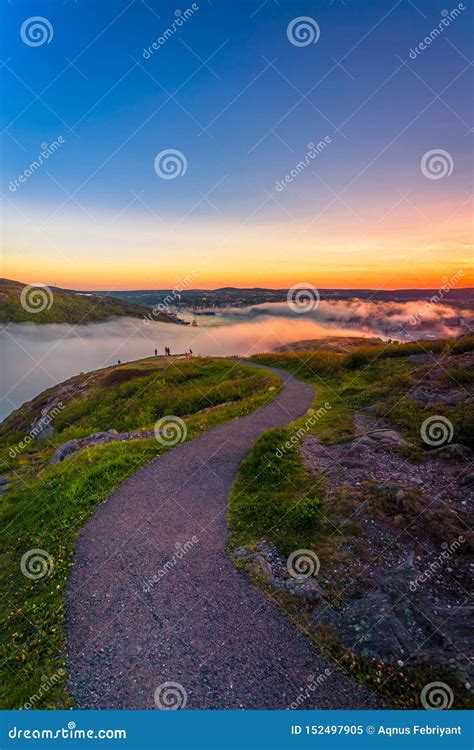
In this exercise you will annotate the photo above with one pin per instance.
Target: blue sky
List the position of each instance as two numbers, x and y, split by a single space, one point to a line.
241 103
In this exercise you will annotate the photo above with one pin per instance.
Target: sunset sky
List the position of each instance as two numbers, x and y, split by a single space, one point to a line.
241 103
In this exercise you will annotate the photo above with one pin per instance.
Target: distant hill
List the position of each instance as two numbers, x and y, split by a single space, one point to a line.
24 303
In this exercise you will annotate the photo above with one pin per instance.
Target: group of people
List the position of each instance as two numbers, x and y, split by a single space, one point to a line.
168 352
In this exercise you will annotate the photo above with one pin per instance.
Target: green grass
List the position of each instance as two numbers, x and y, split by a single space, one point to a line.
276 499
48 505
64 307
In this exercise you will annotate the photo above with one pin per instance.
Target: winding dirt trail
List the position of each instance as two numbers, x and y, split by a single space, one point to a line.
203 624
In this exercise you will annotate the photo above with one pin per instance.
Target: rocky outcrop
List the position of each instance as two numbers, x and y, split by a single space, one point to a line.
98 438
398 621
265 560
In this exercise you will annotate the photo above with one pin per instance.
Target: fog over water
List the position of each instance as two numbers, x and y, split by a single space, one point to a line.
39 356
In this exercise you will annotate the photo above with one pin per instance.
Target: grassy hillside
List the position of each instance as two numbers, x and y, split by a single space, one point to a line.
288 495
19 303
341 344
47 504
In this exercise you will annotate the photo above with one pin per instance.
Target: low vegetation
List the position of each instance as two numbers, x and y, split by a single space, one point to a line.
277 499
62 306
47 505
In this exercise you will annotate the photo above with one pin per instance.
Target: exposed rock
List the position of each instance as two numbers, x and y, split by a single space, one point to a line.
468 479
421 359
398 621
387 436
270 563
98 438
450 452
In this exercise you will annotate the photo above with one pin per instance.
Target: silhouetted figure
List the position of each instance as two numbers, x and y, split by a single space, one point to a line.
119 362
156 352
190 352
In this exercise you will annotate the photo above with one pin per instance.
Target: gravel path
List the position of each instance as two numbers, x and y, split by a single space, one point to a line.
201 624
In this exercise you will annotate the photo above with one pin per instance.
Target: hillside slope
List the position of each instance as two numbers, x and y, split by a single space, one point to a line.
24 303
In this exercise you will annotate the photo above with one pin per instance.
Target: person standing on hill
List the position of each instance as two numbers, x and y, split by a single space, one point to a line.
156 352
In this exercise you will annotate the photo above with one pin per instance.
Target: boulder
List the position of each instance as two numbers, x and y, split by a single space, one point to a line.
450 452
